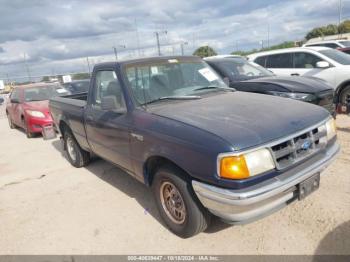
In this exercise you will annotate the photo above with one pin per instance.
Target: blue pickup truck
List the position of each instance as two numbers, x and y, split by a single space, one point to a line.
203 148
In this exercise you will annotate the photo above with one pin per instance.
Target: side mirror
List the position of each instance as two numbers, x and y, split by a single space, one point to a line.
14 100
109 103
322 64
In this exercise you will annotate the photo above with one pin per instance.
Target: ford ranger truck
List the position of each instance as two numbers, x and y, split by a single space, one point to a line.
204 149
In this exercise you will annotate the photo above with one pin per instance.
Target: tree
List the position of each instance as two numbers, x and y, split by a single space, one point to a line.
344 27
279 46
204 51
316 32
45 79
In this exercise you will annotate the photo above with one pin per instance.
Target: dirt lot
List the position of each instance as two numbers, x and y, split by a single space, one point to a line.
49 207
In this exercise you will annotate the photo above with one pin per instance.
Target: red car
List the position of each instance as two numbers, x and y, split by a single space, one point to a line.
28 106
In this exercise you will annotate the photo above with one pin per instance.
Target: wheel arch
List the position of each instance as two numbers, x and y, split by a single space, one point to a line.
153 163
340 88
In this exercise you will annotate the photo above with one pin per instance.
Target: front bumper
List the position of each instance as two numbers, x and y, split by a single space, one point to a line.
248 204
35 125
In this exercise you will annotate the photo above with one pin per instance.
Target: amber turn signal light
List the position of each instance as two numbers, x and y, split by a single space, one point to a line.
234 167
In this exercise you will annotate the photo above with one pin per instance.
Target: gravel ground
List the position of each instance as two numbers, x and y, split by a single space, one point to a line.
49 207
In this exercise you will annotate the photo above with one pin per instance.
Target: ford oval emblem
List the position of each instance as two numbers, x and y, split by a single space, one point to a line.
306 145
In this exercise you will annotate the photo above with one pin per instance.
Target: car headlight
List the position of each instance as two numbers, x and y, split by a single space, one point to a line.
331 128
297 96
245 165
34 113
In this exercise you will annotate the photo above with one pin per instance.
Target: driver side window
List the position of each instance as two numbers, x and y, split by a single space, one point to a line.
305 60
107 86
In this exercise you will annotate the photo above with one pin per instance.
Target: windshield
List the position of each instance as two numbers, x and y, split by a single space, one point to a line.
345 43
43 93
171 78
337 56
240 69
78 87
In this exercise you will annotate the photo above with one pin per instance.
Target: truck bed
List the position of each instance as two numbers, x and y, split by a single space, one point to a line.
71 109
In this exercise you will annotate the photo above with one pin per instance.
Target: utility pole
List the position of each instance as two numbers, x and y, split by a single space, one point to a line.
137 38
116 52
26 66
182 47
88 64
157 37
268 35
340 9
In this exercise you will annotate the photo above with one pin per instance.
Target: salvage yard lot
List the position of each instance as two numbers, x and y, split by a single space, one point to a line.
49 207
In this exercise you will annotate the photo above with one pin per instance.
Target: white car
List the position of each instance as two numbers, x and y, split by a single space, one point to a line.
325 63
335 44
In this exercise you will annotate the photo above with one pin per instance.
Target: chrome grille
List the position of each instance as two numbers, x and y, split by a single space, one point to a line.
299 147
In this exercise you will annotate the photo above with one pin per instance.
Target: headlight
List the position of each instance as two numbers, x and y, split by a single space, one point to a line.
245 165
297 96
331 128
37 114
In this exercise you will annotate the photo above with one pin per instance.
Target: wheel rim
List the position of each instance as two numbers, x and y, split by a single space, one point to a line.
71 149
345 96
173 203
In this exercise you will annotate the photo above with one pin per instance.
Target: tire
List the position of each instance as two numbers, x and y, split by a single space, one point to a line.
344 94
192 218
75 154
26 130
12 126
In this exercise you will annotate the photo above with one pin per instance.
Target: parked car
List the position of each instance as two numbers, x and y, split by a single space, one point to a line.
341 45
244 75
328 64
77 86
202 147
28 107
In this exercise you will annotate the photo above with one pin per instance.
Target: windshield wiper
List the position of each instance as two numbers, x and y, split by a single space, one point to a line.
212 87
172 98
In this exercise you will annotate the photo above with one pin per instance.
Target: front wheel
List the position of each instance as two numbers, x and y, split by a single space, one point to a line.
177 203
76 155
344 96
26 129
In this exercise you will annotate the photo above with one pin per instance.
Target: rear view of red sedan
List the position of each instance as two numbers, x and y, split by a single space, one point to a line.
28 107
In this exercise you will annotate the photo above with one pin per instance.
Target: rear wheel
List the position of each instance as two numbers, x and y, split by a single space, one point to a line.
12 126
177 203
76 155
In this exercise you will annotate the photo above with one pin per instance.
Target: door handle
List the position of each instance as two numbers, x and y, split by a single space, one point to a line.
295 74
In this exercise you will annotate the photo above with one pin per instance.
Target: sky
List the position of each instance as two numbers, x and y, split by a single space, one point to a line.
46 37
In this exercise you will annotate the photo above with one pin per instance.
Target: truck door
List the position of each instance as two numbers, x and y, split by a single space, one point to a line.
107 129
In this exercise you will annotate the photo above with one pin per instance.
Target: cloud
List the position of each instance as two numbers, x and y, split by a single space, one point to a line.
61 34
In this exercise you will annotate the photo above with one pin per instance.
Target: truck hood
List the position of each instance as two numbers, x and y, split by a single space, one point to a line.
243 119
297 84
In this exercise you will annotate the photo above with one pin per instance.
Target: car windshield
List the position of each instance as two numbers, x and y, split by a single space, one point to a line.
78 87
43 93
337 56
345 43
240 69
171 79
